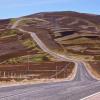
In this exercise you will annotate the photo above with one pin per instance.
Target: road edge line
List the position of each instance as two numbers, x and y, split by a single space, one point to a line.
73 74
87 97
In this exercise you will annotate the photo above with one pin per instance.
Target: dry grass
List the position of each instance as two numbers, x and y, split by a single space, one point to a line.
94 67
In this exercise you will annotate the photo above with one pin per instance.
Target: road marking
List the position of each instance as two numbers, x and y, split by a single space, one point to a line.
90 96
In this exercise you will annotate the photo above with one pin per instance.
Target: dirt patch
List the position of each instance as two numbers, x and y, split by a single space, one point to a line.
94 67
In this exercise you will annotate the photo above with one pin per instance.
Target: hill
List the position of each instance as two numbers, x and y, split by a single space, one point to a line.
73 34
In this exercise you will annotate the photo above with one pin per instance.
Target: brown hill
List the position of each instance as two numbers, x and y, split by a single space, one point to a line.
75 34
70 33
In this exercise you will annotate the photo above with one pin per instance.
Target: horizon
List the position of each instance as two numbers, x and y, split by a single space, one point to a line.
19 8
51 12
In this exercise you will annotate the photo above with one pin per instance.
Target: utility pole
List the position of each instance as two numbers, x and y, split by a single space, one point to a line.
20 75
7 74
56 71
0 73
28 62
15 75
4 74
64 74
11 75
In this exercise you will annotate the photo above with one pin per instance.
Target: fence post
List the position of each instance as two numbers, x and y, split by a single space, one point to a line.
20 75
64 74
11 75
4 74
0 73
28 61
14 75
7 74
56 72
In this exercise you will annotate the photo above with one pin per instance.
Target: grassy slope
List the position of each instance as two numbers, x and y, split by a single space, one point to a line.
45 28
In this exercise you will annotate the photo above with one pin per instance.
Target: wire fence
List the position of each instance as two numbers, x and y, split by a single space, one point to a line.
53 73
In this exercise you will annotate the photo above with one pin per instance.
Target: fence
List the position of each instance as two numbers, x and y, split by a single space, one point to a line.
34 73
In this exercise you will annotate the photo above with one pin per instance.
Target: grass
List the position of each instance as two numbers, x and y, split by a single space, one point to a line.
97 57
80 41
13 20
16 60
28 43
40 58
8 33
32 58
79 46
28 21
95 67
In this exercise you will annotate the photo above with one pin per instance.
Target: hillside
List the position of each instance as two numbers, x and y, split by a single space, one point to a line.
73 34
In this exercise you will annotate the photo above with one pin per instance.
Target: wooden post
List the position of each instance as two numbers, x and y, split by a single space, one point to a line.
4 74
20 75
56 72
15 75
28 62
0 73
64 74
11 75
7 74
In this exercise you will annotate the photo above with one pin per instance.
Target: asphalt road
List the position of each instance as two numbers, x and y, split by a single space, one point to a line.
81 86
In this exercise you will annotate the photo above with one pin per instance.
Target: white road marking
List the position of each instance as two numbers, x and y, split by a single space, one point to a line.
87 98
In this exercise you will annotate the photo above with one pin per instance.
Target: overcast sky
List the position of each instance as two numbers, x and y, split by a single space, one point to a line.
16 8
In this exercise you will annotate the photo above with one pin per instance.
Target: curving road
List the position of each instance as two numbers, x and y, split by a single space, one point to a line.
81 86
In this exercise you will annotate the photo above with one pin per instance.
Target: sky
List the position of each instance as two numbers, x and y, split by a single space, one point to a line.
17 8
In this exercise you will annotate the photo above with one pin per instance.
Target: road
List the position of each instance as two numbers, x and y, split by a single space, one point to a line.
81 86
